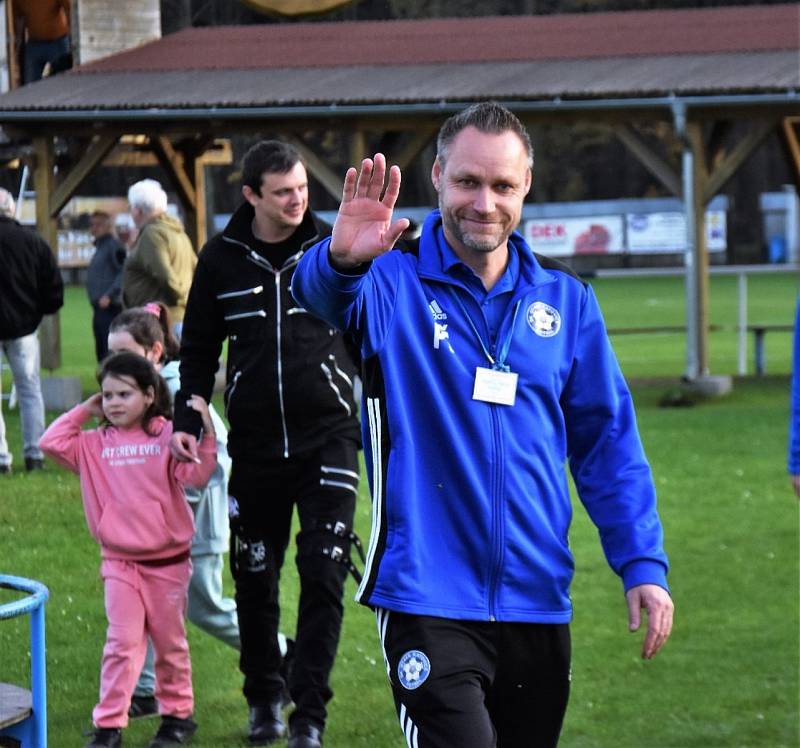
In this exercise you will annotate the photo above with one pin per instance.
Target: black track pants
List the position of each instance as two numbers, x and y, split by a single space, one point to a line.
474 684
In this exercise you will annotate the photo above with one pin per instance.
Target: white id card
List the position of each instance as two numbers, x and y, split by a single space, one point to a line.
493 386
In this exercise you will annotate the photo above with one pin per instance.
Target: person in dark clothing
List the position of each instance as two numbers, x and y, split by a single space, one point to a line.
104 279
293 437
47 43
30 287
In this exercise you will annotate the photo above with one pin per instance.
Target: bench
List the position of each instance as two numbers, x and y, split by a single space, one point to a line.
759 333
16 704
23 713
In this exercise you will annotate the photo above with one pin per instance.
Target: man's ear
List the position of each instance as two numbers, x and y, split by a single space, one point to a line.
248 194
436 174
528 180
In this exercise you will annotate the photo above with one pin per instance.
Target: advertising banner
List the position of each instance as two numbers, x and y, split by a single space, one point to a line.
591 235
666 232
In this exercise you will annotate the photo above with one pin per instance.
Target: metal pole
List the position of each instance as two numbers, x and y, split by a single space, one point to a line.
23 185
742 337
687 179
38 677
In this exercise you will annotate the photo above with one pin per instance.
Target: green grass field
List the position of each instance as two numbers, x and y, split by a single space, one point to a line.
729 675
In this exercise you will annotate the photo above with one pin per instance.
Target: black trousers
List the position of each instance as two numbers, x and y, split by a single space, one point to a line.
323 487
101 321
475 684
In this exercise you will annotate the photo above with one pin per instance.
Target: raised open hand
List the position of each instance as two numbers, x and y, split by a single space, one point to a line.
94 404
364 227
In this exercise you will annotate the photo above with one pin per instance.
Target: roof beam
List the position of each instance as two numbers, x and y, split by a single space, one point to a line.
656 165
129 152
98 149
321 171
728 166
716 146
416 145
788 132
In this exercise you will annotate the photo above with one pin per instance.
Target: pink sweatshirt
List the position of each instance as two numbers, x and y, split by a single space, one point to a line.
131 484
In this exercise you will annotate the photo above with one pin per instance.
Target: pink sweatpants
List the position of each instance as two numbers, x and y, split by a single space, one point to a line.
144 600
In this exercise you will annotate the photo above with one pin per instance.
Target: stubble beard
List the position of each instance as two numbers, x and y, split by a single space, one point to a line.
482 244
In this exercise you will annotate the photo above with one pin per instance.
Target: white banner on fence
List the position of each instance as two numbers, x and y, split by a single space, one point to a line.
666 232
575 236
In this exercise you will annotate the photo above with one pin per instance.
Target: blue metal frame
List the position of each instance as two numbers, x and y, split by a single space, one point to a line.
32 731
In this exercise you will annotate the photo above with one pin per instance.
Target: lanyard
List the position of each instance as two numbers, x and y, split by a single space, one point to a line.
498 364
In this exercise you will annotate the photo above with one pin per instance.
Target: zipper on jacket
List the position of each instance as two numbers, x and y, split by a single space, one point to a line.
280 362
244 292
326 370
231 390
291 262
242 315
497 513
341 373
498 505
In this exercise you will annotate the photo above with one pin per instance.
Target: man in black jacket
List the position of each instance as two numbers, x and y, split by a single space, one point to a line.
293 436
30 287
104 279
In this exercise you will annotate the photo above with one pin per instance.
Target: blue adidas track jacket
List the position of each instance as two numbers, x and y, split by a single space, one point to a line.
471 508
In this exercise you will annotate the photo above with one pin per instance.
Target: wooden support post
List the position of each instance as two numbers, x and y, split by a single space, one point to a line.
49 331
12 47
358 147
174 165
196 170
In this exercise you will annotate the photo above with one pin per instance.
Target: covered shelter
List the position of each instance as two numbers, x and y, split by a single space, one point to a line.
700 70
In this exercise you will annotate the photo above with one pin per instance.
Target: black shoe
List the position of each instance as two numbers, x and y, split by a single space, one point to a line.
105 737
305 736
143 706
5 469
33 463
173 731
266 724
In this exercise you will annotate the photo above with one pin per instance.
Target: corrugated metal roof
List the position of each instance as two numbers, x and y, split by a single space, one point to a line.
603 78
582 56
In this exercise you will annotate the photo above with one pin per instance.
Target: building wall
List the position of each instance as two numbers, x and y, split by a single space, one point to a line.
104 27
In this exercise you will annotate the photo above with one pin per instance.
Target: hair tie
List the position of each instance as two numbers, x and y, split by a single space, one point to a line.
153 308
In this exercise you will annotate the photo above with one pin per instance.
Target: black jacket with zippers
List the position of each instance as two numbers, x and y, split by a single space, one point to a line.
289 375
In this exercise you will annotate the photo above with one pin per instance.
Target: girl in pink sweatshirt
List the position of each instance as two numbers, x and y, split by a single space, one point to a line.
135 508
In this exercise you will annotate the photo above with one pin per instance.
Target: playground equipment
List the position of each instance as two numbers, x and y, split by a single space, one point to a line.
23 713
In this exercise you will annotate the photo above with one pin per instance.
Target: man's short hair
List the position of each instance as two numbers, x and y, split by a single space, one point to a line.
267 157
8 207
101 214
148 196
487 117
